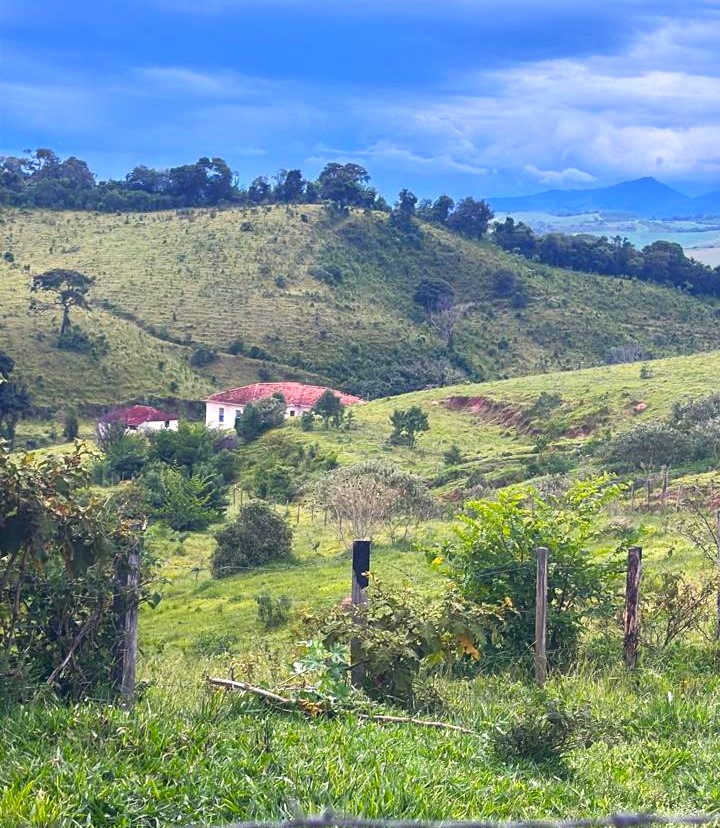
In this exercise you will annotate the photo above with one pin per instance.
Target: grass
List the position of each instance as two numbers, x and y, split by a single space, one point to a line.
199 277
181 756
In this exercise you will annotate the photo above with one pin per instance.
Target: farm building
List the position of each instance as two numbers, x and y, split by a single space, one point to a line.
222 409
140 418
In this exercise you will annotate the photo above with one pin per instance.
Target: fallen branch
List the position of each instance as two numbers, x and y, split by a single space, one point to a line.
302 704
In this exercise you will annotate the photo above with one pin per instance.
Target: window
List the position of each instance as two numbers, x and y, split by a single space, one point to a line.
221 415
167 423
292 412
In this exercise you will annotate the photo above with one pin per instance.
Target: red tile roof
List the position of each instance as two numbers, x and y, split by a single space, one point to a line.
295 393
137 415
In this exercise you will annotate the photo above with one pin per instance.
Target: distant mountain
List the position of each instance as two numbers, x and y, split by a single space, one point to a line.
645 197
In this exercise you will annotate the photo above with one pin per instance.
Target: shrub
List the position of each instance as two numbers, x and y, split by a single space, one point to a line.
649 445
405 632
492 560
544 732
202 355
71 425
453 456
237 346
407 424
184 502
124 454
307 421
74 338
257 418
257 536
273 612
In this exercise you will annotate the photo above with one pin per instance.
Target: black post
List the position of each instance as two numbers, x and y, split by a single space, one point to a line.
360 580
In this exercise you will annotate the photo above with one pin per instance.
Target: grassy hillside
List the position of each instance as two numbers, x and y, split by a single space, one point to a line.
332 298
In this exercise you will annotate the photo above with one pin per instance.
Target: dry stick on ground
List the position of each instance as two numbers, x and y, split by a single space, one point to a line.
274 698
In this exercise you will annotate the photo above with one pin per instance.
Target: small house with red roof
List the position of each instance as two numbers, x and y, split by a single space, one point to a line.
140 418
222 409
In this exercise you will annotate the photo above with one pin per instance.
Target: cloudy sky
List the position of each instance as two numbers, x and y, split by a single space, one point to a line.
487 97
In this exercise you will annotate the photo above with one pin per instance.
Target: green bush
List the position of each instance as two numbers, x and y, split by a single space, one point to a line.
257 536
492 561
273 612
185 502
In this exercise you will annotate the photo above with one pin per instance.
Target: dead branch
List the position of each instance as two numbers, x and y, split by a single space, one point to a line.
302 704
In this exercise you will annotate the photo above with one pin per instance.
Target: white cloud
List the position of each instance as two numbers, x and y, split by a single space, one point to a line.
570 175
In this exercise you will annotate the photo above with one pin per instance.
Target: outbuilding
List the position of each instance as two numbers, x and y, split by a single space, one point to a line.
140 418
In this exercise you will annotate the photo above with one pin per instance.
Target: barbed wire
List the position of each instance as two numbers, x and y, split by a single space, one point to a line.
621 820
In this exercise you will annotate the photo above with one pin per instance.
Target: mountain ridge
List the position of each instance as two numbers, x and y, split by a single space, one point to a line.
644 197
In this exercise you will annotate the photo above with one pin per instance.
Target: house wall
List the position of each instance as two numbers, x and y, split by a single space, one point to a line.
213 410
159 425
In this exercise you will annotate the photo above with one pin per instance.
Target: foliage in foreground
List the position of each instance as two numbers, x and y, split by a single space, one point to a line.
62 556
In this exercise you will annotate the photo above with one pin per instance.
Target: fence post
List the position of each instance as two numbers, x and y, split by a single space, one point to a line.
541 591
632 601
360 569
717 573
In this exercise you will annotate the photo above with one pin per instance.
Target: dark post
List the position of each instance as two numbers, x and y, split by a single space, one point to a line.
360 570
632 601
541 591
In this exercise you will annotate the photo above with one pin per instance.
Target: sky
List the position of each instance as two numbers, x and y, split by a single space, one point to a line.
480 97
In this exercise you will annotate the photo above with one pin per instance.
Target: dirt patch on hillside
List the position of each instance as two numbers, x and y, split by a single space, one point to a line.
498 412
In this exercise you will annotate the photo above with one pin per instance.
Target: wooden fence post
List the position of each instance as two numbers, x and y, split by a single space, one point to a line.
541 593
632 601
717 574
125 607
360 569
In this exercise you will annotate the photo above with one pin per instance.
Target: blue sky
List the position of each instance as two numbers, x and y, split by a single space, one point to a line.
486 97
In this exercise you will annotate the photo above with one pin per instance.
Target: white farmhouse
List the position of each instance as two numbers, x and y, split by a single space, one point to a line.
140 418
222 409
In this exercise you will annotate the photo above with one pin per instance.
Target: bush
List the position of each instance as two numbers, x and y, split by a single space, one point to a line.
237 346
184 502
257 418
202 355
649 445
124 454
407 424
257 536
71 425
95 346
405 632
544 732
493 562
453 456
273 612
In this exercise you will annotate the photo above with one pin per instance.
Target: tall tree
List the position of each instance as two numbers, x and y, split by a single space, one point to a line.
344 184
470 217
14 398
70 289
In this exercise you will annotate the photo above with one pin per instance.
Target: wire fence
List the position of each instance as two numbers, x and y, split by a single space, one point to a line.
621 820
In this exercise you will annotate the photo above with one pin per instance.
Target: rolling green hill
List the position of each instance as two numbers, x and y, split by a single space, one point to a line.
310 295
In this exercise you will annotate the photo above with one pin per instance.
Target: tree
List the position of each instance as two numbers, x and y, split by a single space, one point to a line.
329 408
70 289
260 417
14 399
406 203
259 190
407 424
470 218
373 495
441 209
434 294
124 454
344 184
289 186
185 502
257 536
71 425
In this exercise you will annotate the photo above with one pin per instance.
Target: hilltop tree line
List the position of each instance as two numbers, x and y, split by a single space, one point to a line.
41 179
662 261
